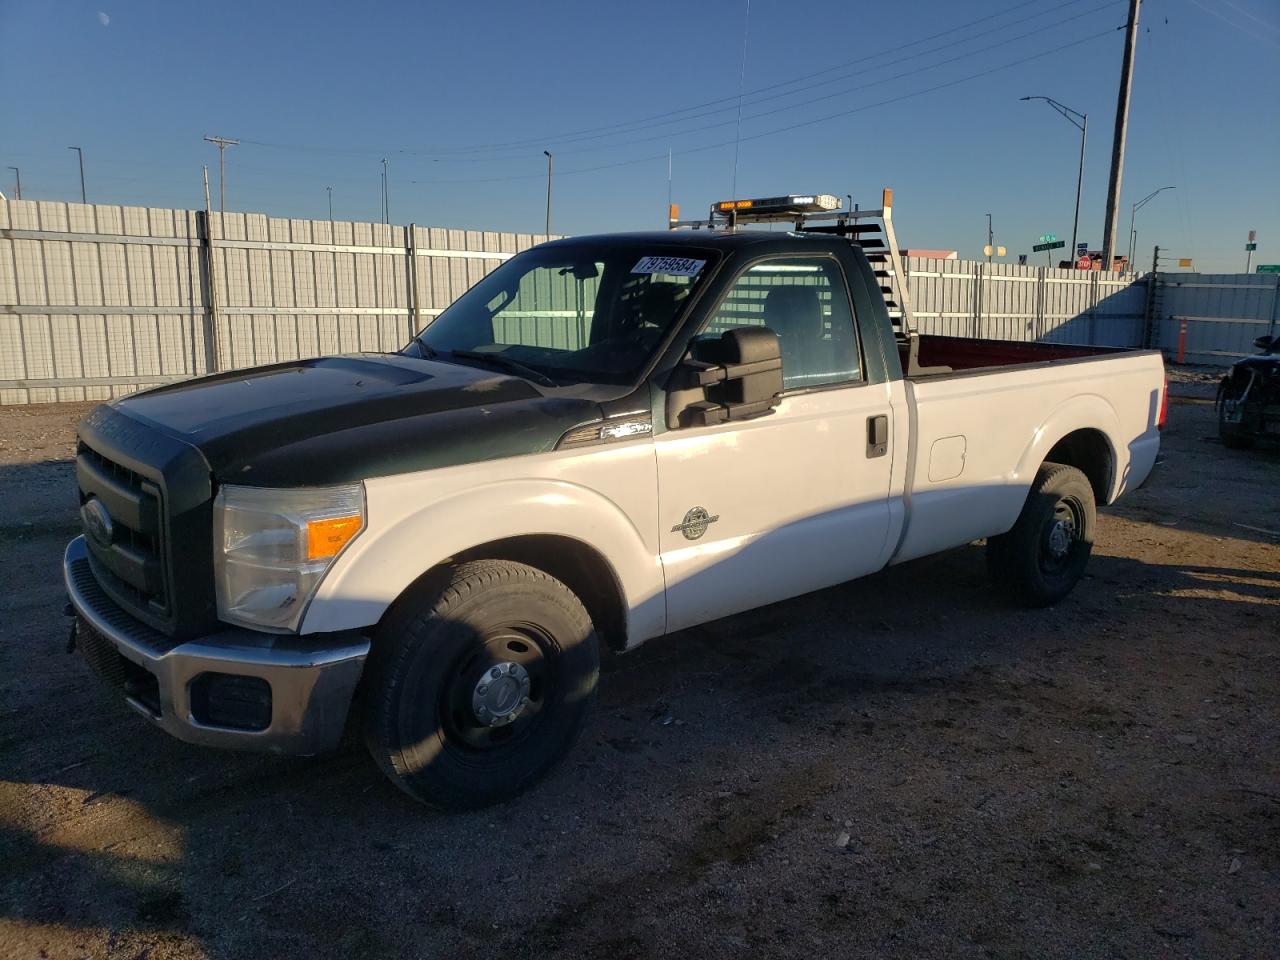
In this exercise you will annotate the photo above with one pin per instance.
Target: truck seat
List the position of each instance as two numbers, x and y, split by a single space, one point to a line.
794 313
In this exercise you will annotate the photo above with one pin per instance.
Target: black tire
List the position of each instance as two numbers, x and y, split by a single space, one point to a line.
432 659
1039 561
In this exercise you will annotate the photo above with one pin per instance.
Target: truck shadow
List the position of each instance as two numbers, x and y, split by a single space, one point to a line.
143 838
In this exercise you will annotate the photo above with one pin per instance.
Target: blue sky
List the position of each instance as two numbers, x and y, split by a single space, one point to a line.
462 98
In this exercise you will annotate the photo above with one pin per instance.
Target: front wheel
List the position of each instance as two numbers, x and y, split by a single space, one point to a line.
1040 560
477 685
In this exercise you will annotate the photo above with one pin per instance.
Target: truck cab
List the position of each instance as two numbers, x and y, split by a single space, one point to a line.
605 440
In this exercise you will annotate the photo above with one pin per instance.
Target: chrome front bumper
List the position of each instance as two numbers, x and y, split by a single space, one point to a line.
312 680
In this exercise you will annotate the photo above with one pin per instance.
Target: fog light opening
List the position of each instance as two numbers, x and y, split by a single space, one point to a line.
230 700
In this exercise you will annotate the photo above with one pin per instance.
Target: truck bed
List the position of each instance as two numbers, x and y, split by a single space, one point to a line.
981 430
964 353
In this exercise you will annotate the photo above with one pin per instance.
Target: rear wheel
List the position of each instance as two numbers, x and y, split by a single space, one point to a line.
479 684
1040 560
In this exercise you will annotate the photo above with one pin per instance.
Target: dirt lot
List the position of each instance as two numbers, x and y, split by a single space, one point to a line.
902 766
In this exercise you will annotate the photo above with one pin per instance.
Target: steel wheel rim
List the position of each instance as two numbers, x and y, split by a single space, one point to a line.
1062 536
524 645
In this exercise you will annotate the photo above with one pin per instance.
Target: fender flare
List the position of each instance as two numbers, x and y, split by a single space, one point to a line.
1085 412
400 544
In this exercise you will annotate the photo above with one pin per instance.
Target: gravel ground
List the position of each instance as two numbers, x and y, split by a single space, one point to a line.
901 766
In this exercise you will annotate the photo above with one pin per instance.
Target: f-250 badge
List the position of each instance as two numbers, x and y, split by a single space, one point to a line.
695 523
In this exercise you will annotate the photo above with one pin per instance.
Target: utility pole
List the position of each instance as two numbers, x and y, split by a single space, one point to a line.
18 174
223 143
80 153
1118 140
330 189
386 193
1155 260
991 239
1250 245
549 161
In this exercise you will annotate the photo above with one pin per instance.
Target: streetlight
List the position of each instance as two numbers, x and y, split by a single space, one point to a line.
548 229
330 189
386 193
81 155
1133 234
1081 122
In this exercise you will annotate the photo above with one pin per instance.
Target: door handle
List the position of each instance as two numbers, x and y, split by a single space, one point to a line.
877 436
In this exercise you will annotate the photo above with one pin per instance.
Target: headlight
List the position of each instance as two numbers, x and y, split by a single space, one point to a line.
271 547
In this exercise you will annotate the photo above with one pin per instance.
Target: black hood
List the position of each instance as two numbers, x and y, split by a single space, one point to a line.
337 419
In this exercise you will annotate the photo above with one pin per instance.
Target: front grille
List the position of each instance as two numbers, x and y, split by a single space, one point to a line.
127 554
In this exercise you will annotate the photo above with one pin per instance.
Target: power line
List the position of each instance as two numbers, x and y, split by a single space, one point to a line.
796 126
457 154
729 101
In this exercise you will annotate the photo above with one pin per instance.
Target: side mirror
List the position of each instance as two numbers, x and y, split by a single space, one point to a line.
735 377
1266 344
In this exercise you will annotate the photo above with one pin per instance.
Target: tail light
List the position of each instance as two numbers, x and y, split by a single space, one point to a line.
1163 416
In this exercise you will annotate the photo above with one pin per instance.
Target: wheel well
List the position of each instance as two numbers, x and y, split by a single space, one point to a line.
581 568
1090 453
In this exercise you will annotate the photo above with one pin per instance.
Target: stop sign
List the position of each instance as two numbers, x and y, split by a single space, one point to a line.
1084 263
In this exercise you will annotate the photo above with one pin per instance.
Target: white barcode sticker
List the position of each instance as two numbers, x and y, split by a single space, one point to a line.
671 266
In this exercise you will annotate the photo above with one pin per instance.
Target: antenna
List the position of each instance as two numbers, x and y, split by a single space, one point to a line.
742 73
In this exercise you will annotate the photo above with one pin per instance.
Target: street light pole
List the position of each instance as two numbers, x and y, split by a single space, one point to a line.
330 190
1081 122
80 153
18 174
386 193
1133 213
549 162
991 239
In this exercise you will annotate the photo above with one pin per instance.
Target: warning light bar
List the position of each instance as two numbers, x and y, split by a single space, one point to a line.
789 205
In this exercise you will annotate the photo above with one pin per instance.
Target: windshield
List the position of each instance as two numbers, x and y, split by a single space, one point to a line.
593 314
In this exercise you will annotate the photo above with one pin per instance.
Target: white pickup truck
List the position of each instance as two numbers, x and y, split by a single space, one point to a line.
607 439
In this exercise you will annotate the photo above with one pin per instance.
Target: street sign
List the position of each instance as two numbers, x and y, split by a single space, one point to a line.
1022 259
1084 263
1268 268
1251 246
1049 245
1184 261
1048 238
1082 249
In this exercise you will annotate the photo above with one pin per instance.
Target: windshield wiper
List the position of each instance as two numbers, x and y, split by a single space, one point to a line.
506 363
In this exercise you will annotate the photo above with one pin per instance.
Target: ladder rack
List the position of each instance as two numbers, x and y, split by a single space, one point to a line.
876 239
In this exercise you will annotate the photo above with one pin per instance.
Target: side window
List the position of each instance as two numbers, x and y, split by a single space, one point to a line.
804 301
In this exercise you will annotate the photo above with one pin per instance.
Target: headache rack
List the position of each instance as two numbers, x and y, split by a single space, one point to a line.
871 230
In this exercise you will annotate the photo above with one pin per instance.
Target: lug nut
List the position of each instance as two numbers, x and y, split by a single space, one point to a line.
482 689
496 672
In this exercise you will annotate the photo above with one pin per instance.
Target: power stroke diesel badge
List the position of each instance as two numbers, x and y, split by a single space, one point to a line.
695 523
